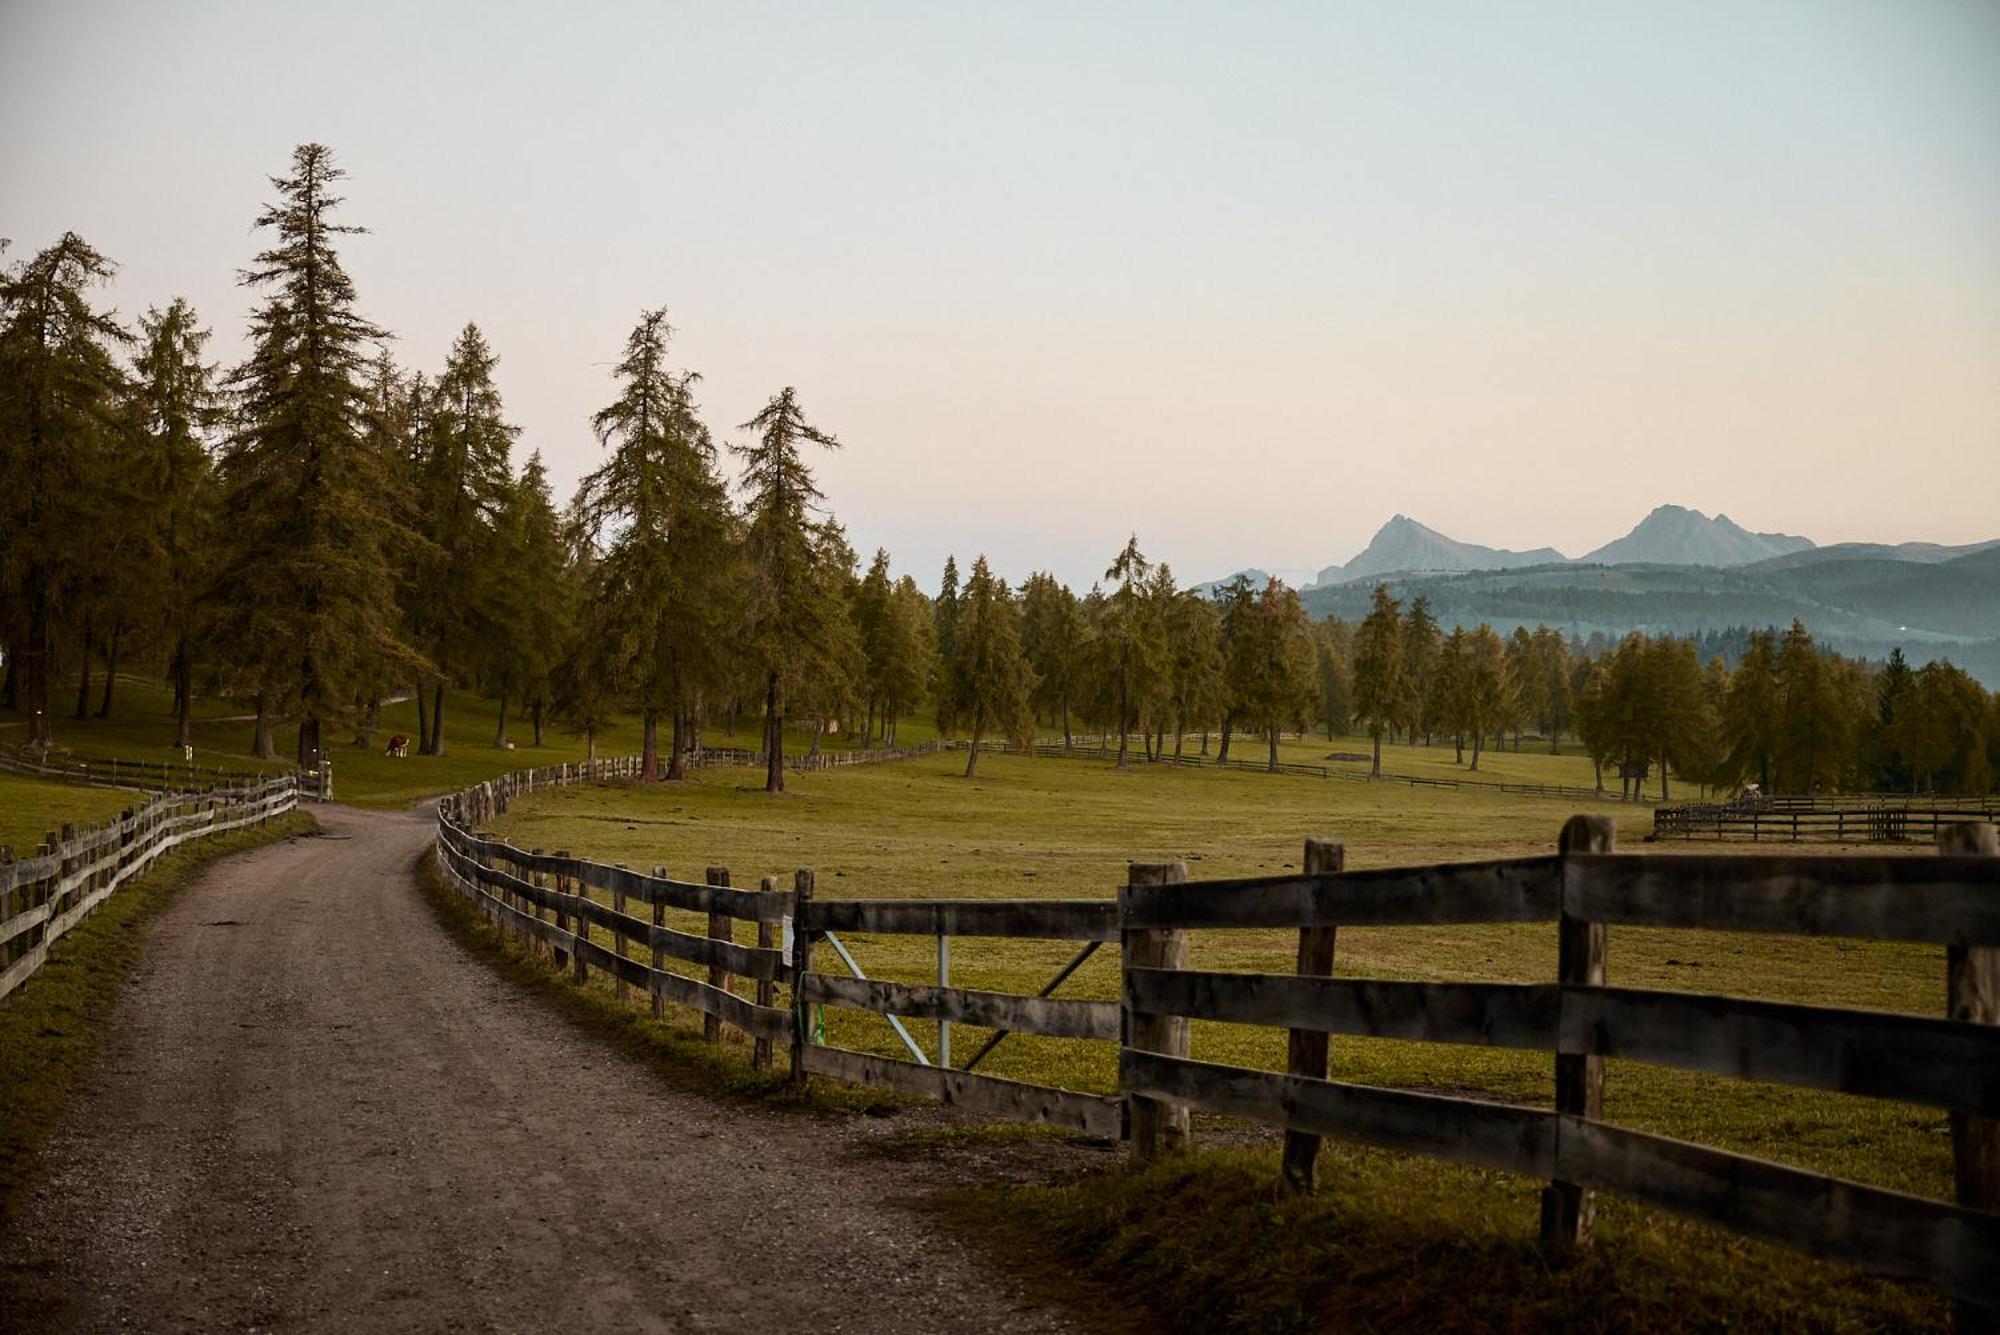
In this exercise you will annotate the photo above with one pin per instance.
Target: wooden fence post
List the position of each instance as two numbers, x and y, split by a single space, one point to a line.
659 955
1972 995
1568 1210
538 946
802 893
1156 1127
767 988
578 968
1307 1048
618 936
721 927
562 914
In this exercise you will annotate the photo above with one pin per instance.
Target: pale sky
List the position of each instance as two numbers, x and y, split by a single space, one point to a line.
1245 278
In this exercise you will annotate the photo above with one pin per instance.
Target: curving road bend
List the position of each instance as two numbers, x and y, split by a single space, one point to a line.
317 1113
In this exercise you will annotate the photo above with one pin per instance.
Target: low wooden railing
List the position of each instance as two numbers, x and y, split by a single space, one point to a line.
1950 1062
44 896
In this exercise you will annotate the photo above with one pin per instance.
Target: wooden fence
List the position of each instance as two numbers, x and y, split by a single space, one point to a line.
1872 820
44 896
162 776
1950 1062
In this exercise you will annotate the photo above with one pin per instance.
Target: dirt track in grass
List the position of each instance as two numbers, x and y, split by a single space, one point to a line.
317 1112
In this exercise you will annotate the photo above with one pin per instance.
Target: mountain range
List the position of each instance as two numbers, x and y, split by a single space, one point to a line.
1684 572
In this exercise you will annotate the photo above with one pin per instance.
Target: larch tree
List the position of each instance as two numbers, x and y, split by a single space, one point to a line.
1420 649
1194 667
1450 690
793 632
1491 701
666 580
178 410
872 621
464 480
988 679
61 392
530 610
1750 714
312 596
909 663
1333 651
1128 641
1055 636
1381 687
1282 689
1237 603
944 613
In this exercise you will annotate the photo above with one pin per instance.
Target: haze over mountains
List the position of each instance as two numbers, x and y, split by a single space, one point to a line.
1685 572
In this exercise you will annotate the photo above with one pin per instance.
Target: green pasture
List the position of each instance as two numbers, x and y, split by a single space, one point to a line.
1067 829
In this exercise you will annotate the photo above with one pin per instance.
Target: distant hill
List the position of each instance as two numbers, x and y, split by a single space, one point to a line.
1404 546
1925 553
1864 606
1676 535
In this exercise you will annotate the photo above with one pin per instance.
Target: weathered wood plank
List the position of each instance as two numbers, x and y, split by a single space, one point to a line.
1513 890
757 1021
1156 1127
1972 997
1914 1058
1043 919
1491 1135
1953 1249
1507 1015
991 1010
1947 901
1092 1114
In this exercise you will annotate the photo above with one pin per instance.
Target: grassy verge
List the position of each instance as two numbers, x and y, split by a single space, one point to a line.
54 1024
1203 1243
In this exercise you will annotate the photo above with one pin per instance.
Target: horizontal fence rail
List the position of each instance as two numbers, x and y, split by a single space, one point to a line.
1584 891
164 776
43 897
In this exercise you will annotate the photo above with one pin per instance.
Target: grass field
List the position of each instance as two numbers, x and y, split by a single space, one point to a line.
1067 829
30 808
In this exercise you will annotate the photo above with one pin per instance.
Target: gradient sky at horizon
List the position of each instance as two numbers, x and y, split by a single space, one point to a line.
1246 279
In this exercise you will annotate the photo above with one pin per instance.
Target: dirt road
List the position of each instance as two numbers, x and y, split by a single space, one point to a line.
318 1113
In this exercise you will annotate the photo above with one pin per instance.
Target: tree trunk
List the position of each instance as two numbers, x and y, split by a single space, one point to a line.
83 679
774 739
183 698
1665 796
1124 723
110 673
1478 745
677 762
819 731
590 744
536 714
1375 768
868 728
10 688
423 722
1597 768
261 745
1065 714
35 665
972 752
500 734
1179 737
649 747
1274 751
1222 752
437 719
308 755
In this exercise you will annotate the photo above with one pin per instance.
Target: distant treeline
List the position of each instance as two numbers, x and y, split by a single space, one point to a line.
320 528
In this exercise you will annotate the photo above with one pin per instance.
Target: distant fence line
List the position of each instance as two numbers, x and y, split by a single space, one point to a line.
44 896
1873 819
1953 1062
166 776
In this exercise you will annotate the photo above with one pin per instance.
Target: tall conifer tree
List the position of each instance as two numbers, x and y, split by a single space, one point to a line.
312 599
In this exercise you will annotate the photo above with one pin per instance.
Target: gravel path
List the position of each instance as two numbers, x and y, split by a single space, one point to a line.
317 1113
